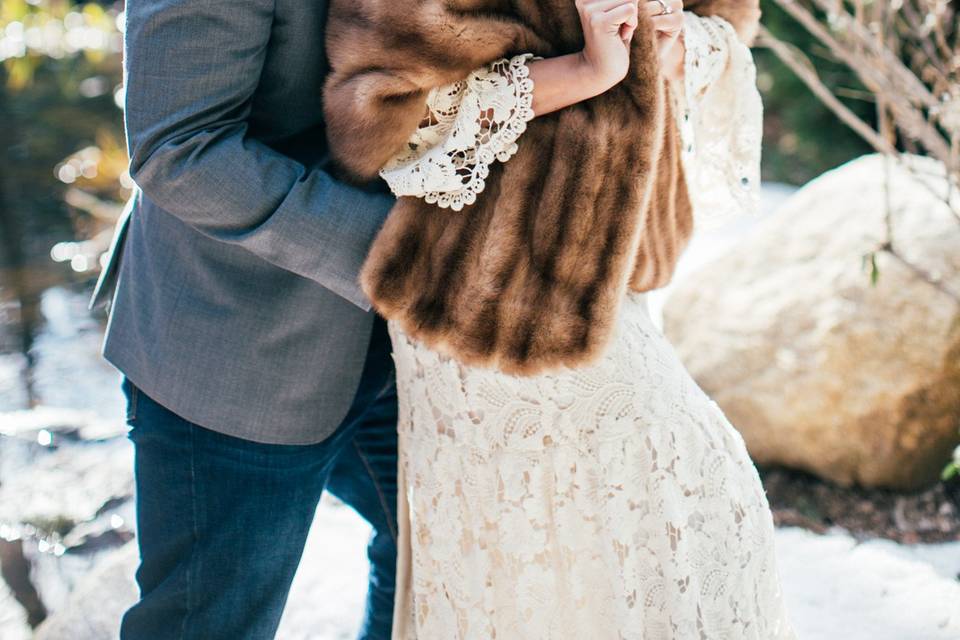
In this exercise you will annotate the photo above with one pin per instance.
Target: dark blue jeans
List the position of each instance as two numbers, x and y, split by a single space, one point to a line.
222 522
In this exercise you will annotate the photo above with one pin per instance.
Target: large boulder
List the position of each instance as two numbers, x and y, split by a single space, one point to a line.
818 368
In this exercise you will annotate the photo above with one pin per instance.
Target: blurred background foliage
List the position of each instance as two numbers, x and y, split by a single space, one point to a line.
802 137
59 94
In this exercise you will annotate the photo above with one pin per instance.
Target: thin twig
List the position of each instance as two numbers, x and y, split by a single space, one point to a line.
873 40
881 72
800 64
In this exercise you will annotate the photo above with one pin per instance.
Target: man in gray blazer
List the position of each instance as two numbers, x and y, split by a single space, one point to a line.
255 372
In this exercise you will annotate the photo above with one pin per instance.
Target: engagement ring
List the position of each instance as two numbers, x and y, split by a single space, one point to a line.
666 8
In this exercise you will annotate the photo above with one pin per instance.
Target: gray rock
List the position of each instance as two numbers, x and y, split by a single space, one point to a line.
817 368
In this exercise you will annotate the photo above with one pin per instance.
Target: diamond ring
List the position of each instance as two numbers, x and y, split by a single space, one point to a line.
666 8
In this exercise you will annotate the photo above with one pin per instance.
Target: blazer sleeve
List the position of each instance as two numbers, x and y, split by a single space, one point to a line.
191 69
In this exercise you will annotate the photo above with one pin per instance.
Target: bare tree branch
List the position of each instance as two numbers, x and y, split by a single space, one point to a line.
801 65
909 100
907 55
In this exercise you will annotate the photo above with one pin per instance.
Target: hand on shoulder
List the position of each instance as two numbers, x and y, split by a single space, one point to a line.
608 27
608 30
667 18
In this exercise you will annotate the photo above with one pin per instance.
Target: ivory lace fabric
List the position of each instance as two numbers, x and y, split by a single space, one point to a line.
470 124
613 501
721 123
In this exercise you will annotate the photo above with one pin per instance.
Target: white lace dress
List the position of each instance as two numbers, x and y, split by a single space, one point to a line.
613 501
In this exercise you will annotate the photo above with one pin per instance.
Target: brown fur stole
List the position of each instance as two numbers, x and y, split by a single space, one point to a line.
532 275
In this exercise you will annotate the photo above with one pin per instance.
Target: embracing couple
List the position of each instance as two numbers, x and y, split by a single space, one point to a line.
399 250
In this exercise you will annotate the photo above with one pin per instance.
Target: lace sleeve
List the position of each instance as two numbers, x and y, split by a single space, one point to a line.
469 124
721 123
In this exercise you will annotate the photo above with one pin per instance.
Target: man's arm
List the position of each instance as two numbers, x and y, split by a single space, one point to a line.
192 67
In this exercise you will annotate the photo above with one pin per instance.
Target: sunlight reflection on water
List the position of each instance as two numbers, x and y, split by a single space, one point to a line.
68 371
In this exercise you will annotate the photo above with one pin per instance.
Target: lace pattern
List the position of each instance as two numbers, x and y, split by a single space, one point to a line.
611 501
470 124
721 123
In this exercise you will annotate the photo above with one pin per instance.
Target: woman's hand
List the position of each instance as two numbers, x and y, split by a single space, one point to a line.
608 27
669 30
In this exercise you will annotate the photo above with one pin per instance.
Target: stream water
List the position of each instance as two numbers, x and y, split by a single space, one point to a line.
65 477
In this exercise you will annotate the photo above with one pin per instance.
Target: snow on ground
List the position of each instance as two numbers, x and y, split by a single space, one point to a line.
13 619
328 593
877 590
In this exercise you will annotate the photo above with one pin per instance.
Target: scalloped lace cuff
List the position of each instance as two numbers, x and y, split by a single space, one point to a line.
469 125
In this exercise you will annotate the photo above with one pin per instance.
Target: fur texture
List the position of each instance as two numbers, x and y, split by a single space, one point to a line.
531 276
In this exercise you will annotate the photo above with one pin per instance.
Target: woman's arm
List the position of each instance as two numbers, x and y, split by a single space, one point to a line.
472 123
608 27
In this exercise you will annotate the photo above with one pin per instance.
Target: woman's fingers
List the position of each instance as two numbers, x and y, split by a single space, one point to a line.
605 11
670 25
608 26
654 8
610 16
627 17
625 14
667 24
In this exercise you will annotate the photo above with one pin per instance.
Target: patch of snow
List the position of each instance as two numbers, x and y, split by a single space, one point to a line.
27 423
326 601
13 619
837 588
328 593
69 484
12 391
944 558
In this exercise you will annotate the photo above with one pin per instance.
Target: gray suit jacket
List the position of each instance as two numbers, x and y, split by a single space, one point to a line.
235 265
